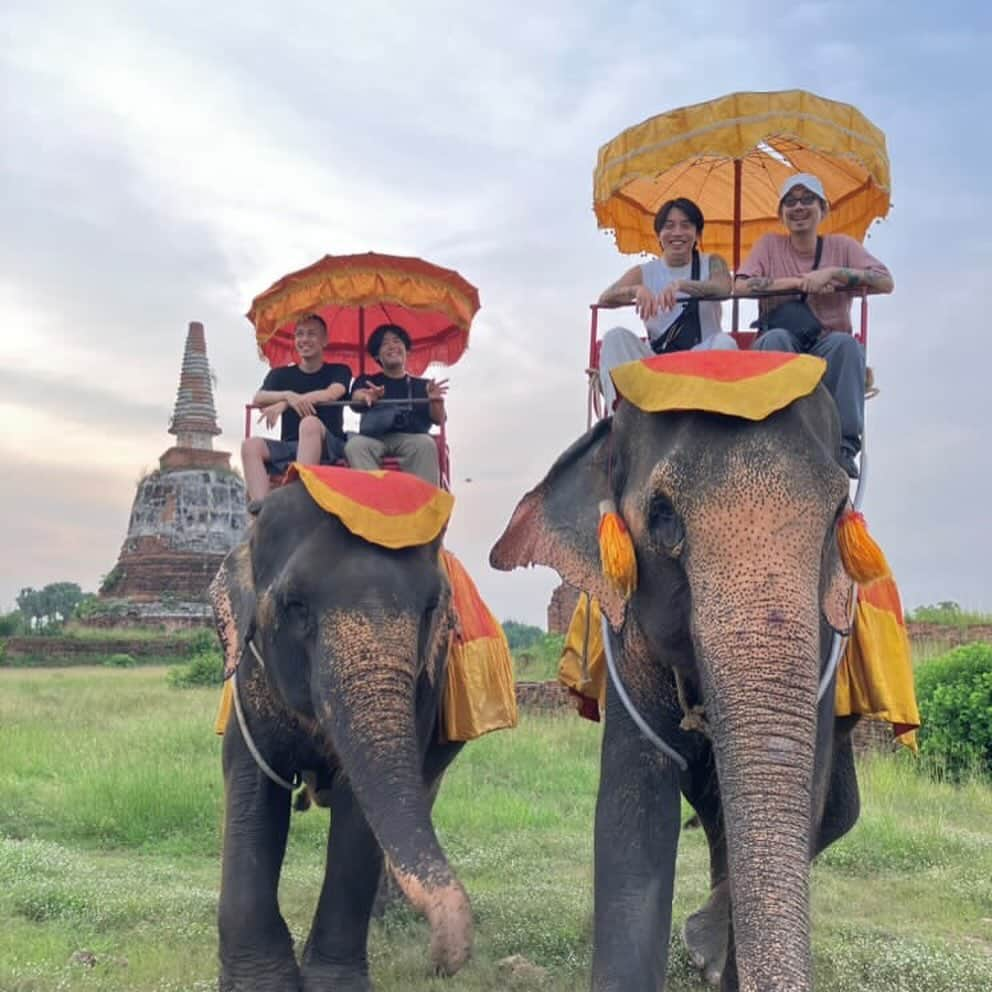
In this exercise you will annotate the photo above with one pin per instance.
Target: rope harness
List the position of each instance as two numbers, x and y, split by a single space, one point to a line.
246 734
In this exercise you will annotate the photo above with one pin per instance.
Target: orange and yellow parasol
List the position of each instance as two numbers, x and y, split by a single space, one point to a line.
356 293
731 155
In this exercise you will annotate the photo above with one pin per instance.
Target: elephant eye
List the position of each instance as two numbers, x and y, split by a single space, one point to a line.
665 525
297 612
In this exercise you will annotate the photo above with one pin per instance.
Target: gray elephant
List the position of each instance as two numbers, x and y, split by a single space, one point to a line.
341 648
727 632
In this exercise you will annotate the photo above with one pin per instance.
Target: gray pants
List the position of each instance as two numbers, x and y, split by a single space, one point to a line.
844 378
621 345
416 453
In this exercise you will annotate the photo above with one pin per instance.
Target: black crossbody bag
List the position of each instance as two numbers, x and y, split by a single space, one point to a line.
386 418
685 332
796 316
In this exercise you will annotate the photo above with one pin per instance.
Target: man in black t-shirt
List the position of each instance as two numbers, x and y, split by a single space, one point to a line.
406 438
311 432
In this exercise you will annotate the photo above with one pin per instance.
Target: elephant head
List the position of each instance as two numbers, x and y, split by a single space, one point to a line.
341 647
732 523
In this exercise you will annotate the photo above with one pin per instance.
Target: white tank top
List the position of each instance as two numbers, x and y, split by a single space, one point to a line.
657 274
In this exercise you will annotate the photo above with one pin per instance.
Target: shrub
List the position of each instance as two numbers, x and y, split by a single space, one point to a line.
120 661
11 623
204 668
203 639
520 636
955 698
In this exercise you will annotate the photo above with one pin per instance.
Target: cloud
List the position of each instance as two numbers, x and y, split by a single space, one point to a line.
166 162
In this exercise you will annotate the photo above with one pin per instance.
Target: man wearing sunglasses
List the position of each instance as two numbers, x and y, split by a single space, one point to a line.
827 270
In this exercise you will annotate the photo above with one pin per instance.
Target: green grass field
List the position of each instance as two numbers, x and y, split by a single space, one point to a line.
110 804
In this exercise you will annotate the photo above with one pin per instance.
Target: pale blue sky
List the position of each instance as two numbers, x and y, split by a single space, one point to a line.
164 162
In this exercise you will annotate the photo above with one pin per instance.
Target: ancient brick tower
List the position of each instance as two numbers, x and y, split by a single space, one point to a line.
560 609
187 514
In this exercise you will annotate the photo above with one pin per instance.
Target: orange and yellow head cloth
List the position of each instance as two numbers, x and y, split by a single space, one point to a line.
616 549
748 384
391 509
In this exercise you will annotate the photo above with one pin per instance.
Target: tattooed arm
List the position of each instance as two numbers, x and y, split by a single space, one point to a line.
874 280
630 288
745 285
624 290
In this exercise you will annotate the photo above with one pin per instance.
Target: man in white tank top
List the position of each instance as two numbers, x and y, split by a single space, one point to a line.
657 288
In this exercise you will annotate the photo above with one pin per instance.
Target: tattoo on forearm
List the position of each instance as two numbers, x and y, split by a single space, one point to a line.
757 284
619 293
851 277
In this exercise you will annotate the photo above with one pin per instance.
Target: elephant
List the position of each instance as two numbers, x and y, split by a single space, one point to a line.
720 648
341 649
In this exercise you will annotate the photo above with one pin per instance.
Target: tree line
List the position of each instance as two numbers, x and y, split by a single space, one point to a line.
43 610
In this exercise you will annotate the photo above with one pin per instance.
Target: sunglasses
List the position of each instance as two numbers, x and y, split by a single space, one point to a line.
807 200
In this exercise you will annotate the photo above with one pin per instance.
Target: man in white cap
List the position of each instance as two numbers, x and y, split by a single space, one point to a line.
829 268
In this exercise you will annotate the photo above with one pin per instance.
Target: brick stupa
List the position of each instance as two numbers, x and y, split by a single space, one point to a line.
561 607
186 515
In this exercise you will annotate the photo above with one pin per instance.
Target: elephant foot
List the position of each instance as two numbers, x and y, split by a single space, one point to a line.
705 934
336 978
261 980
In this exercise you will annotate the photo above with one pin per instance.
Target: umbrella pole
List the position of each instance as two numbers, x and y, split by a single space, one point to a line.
738 165
361 340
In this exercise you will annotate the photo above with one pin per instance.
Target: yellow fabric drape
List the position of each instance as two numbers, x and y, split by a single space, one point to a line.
582 666
224 708
480 693
875 676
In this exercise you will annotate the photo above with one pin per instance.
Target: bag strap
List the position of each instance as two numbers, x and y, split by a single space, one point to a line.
816 262
694 273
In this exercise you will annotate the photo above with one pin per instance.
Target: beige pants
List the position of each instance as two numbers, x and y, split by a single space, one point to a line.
416 453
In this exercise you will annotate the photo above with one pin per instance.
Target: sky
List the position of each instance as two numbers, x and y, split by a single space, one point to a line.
164 162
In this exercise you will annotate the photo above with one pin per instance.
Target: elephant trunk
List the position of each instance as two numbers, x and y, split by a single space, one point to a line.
756 629
364 691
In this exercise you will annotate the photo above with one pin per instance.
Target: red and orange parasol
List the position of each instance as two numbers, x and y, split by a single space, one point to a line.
356 293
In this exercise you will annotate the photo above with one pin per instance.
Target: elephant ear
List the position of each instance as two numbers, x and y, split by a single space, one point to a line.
232 595
556 523
836 590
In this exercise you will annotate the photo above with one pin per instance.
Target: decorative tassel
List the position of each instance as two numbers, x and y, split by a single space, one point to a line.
862 557
616 549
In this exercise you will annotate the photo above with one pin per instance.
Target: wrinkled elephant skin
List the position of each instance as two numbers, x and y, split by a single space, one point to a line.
733 524
351 644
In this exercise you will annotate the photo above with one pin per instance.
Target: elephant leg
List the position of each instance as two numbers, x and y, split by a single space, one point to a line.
636 837
256 949
335 956
706 932
843 805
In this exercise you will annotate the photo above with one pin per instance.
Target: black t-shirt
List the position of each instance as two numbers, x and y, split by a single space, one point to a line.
293 378
419 418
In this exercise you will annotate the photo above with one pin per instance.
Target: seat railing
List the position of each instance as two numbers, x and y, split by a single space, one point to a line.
744 339
440 436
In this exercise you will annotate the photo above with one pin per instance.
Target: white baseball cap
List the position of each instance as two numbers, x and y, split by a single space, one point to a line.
806 179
